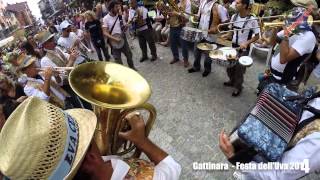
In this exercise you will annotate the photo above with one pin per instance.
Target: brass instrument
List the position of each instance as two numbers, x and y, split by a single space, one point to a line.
168 6
114 91
262 25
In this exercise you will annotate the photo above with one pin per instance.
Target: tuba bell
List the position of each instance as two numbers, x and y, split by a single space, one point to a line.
114 91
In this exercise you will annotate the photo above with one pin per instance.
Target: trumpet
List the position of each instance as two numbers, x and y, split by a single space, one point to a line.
58 70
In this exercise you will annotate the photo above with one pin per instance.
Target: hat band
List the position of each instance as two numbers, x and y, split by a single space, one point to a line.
70 150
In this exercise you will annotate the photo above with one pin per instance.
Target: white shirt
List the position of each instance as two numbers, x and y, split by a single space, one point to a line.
108 22
67 42
46 62
167 169
143 11
205 13
303 43
32 91
79 33
307 148
243 36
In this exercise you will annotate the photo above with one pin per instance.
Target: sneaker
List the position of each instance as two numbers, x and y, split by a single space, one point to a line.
229 84
174 61
205 73
154 58
143 59
192 70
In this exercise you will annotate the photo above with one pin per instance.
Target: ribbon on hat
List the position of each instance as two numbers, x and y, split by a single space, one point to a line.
70 150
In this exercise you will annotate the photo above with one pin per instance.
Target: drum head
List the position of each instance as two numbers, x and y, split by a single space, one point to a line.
229 52
246 61
206 46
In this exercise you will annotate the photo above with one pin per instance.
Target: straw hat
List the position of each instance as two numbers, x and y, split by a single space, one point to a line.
43 36
304 3
24 60
41 141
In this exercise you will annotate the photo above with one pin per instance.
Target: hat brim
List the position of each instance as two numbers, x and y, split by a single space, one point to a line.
87 122
30 61
47 39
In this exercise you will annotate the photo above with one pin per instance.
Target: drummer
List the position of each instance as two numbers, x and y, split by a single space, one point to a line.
242 39
211 15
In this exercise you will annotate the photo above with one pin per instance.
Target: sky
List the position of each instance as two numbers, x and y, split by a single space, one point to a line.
33 5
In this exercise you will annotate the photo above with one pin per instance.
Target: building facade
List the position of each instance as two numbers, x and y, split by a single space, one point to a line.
22 13
8 21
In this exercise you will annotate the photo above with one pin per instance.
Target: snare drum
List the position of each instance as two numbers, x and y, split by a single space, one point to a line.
191 34
219 58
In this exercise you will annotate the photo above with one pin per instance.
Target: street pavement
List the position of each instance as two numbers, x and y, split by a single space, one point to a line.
192 110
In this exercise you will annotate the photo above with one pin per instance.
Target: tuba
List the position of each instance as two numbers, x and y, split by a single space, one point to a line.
114 91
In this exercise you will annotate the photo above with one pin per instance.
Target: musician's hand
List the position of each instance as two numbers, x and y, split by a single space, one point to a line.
286 31
244 45
21 99
225 36
73 55
137 132
48 73
225 145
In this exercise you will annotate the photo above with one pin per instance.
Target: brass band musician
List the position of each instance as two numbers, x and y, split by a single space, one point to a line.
177 21
139 15
242 39
210 14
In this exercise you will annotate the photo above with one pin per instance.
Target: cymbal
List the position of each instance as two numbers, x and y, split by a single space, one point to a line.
206 46
216 54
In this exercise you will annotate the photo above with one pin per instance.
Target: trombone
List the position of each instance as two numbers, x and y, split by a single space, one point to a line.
263 25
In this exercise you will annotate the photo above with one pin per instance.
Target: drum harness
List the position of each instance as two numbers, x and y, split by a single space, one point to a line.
243 26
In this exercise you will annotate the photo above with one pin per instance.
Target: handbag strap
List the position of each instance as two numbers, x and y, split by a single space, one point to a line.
114 25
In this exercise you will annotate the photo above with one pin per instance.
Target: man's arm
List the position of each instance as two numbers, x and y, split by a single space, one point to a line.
300 47
306 148
138 137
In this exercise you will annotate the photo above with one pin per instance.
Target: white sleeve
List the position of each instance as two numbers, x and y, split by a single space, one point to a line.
60 42
31 91
307 148
305 43
222 13
167 169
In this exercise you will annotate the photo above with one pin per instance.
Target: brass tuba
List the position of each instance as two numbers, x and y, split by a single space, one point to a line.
114 91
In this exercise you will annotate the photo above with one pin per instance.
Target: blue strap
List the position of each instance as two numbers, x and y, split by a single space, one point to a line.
70 150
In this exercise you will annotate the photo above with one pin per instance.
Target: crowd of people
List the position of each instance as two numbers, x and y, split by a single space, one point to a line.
40 112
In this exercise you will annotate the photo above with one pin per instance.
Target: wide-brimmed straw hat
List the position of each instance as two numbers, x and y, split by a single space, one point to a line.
305 3
41 141
43 37
25 60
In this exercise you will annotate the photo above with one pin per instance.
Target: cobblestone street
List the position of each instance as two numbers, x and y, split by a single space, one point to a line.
192 110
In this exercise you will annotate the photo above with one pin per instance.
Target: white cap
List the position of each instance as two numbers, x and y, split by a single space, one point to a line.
64 25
